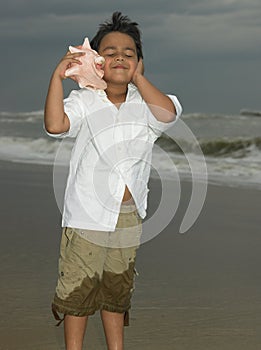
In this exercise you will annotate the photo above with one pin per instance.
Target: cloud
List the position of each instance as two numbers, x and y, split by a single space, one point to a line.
29 8
185 39
200 27
232 34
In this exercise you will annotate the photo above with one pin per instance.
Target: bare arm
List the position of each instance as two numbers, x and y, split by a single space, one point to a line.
160 105
55 120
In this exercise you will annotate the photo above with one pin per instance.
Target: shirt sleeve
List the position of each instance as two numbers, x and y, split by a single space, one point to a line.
158 126
73 108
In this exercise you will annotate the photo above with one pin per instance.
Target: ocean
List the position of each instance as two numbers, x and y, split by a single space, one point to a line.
230 145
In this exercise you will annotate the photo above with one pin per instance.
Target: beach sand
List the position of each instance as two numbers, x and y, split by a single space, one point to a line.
200 290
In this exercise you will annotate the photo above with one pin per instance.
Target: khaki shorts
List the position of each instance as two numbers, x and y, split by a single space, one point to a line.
97 276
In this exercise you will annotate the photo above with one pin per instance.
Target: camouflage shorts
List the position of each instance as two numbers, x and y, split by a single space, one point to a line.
98 276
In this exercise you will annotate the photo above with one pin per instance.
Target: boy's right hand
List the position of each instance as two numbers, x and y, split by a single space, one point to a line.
66 62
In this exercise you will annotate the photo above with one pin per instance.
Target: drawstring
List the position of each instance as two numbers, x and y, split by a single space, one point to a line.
57 317
126 319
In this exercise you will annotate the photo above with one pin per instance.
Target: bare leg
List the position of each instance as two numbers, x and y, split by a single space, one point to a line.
74 330
113 324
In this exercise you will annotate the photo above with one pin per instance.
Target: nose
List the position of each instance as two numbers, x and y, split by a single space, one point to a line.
119 58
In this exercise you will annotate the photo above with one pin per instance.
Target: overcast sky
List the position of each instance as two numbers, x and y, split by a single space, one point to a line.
207 52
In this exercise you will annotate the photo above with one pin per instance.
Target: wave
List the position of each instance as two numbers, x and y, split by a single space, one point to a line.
21 117
229 170
15 114
39 151
235 148
238 147
249 112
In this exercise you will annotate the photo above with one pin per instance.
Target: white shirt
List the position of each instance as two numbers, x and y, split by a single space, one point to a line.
113 149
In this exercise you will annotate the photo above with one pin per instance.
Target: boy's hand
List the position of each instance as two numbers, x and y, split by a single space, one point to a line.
138 72
66 63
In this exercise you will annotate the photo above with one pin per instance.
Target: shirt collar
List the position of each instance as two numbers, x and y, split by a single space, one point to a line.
132 90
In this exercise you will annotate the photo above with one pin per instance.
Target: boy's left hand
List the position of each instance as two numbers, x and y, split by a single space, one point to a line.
138 72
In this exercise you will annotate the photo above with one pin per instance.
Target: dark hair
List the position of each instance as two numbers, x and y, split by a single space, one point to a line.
122 24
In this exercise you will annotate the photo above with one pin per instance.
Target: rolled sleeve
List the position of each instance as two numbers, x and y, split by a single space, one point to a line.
56 136
158 126
74 111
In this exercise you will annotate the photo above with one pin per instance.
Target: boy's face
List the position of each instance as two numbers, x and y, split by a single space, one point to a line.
119 51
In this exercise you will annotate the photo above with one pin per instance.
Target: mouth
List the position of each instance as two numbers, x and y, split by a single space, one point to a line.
119 66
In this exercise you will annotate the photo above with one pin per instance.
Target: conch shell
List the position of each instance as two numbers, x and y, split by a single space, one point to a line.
90 72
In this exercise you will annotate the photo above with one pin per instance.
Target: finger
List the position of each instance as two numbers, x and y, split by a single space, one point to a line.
74 54
71 59
74 60
141 64
80 53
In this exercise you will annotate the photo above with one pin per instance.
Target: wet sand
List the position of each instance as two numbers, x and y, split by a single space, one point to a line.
199 290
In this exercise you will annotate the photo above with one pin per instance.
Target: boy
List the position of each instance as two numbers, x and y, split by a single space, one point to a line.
106 189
